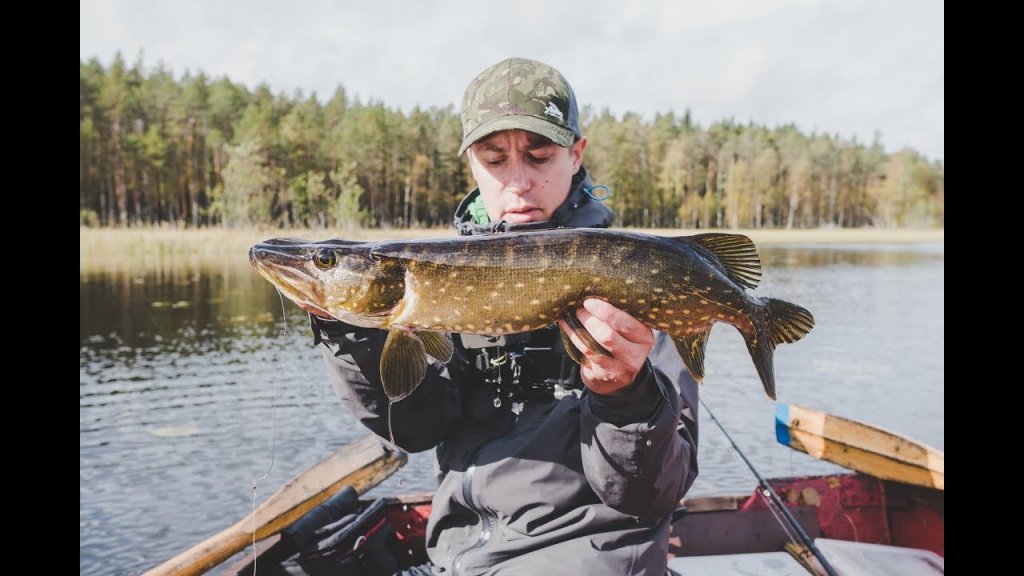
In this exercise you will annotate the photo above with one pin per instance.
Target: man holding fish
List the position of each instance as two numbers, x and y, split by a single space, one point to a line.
546 465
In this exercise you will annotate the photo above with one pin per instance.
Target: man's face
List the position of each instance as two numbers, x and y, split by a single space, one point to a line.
523 177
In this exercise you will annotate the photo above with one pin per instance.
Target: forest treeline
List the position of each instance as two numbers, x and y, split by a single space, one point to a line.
197 151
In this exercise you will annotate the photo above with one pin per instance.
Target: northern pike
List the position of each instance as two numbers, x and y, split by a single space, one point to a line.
422 290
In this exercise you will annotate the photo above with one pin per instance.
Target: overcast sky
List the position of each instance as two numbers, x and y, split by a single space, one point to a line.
847 67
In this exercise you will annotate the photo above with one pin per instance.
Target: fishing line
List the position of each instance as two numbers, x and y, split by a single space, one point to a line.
273 438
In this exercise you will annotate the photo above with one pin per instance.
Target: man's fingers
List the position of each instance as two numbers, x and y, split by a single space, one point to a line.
619 321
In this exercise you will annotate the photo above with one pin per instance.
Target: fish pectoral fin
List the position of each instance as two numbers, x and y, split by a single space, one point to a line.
437 344
570 348
588 339
403 363
735 252
691 347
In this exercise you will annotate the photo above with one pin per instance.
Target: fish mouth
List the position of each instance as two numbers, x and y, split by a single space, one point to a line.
282 262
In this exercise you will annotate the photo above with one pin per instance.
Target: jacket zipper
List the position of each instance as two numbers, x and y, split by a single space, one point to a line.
486 523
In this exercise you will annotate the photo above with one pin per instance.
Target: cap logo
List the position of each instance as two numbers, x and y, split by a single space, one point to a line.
553 111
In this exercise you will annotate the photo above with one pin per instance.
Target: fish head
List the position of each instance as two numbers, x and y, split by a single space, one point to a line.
336 278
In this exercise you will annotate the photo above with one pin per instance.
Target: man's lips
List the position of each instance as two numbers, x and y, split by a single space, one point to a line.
525 214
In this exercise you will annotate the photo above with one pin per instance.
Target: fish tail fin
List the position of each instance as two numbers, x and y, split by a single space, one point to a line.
403 363
783 322
691 348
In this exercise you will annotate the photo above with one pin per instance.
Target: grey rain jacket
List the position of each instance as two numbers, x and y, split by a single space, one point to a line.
582 484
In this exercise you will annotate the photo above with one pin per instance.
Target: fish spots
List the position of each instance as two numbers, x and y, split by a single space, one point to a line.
686 310
567 287
453 274
541 280
471 326
652 316
469 288
677 322
703 301
705 317
630 280
623 301
442 290
517 318
659 290
542 316
654 271
526 328
642 301
663 325
534 302
437 319
495 294
520 285
500 285
488 308
508 327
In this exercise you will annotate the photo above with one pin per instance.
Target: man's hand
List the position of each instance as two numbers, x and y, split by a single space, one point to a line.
628 339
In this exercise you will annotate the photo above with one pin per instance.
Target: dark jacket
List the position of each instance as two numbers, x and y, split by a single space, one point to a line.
578 484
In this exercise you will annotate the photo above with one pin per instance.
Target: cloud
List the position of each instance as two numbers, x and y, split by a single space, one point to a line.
850 68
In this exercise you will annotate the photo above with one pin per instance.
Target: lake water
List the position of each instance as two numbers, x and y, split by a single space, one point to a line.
195 380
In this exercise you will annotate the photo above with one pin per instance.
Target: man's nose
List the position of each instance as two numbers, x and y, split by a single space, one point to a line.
518 177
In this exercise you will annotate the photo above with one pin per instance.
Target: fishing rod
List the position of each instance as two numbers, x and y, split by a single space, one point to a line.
773 498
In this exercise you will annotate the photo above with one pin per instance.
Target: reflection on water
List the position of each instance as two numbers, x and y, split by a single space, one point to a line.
194 382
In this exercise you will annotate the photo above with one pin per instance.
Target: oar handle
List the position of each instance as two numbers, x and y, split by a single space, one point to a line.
362 465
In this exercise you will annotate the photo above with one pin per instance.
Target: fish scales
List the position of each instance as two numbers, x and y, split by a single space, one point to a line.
420 290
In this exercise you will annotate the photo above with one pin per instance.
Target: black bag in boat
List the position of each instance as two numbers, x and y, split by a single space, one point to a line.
335 539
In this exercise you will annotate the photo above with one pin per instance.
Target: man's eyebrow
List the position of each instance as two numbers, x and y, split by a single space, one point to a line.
490 146
536 141
533 142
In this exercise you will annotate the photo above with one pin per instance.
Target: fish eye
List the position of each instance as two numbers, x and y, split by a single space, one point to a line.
325 259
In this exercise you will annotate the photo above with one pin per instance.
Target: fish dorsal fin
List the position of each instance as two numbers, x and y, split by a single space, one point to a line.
691 347
735 253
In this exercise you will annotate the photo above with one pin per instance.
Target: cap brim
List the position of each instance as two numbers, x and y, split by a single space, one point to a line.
561 136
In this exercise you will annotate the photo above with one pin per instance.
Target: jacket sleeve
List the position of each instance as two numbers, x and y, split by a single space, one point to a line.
639 455
417 422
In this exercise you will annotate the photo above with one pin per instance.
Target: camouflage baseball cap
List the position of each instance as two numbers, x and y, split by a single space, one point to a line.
520 94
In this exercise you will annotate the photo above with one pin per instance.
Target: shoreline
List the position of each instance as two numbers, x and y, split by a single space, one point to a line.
104 247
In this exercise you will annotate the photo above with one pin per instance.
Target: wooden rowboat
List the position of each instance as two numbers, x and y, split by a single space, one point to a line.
856 520
863 523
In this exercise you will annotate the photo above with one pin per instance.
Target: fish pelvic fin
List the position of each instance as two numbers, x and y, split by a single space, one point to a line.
403 363
691 348
735 253
783 323
588 339
437 345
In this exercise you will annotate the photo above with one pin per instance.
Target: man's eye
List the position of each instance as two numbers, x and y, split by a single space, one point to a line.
495 163
538 159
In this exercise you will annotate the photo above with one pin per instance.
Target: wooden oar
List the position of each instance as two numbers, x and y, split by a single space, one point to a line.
858 446
362 464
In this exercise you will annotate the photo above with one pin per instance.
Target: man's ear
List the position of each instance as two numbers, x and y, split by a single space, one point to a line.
577 153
